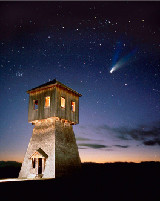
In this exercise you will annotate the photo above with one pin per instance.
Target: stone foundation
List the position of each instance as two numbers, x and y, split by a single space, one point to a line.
57 140
66 150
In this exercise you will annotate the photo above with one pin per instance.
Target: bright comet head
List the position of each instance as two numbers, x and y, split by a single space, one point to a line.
111 70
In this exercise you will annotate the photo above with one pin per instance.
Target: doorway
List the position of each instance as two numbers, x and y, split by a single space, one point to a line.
39 165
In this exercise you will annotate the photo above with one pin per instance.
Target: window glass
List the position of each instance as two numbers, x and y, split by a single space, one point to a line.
35 104
47 101
62 102
33 162
73 106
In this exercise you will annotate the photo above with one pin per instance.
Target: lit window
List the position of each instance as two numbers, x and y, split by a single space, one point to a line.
35 104
47 101
62 102
73 105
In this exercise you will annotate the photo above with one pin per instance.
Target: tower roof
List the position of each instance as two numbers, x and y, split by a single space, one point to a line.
52 84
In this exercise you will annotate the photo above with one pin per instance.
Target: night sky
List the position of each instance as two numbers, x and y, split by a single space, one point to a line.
107 51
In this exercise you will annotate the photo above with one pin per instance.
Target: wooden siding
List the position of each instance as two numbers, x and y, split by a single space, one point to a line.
42 112
67 113
55 109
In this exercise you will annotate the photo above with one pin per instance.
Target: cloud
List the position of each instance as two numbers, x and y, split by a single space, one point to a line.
147 134
152 142
121 146
82 139
94 146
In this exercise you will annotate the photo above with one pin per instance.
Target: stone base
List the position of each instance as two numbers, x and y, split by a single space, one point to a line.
66 150
57 140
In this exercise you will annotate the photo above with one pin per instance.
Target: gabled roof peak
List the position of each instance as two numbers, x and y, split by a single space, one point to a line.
39 153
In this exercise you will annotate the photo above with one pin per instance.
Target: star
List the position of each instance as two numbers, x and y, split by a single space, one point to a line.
38 49
19 74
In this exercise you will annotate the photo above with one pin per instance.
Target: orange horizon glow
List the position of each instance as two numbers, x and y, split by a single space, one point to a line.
89 161
93 158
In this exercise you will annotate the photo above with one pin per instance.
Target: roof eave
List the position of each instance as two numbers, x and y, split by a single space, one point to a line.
52 85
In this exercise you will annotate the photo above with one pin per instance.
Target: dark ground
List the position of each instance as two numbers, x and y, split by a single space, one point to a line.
110 182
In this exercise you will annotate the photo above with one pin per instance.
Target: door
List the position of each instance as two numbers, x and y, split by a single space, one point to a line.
40 166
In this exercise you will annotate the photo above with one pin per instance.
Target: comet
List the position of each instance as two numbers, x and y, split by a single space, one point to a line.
122 62
113 69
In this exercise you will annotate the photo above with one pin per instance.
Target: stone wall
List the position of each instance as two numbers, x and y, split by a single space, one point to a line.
56 138
66 150
43 137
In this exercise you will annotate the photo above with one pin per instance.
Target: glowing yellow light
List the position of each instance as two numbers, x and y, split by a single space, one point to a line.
47 101
62 102
73 106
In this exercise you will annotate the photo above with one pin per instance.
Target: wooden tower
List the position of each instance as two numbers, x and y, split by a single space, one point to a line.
52 150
